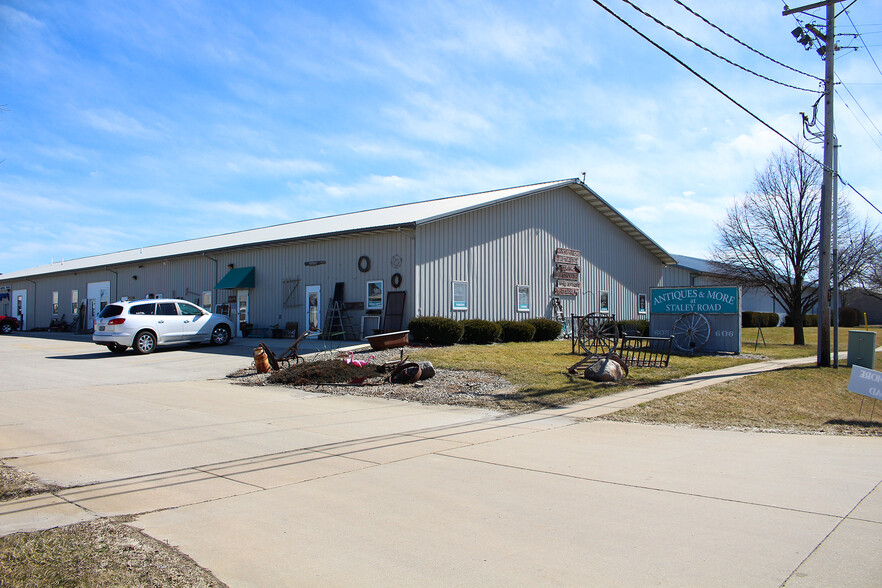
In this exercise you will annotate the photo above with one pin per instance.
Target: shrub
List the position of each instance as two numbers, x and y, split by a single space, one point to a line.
437 330
811 320
849 316
546 329
769 319
750 318
516 331
479 331
635 328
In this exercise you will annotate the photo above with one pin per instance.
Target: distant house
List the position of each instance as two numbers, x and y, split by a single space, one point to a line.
692 271
865 303
504 254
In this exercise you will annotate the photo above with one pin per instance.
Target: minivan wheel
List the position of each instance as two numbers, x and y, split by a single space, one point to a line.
116 348
220 335
145 342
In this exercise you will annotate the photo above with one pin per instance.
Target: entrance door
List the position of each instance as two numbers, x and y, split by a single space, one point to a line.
98 295
314 307
242 306
20 308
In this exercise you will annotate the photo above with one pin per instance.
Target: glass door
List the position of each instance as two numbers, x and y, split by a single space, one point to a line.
314 308
242 312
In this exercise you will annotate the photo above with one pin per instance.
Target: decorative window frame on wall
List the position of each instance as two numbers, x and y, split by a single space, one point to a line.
75 302
641 304
55 302
460 295
523 300
374 295
603 301
207 299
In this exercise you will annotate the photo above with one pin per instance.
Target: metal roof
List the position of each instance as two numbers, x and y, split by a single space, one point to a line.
695 264
402 215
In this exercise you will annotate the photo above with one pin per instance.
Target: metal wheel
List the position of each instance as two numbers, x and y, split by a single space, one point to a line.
6 328
145 342
691 332
220 335
598 334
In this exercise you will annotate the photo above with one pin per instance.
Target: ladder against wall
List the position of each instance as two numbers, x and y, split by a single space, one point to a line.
339 323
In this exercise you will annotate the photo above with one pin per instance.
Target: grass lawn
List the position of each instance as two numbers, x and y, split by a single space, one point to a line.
540 371
779 341
797 399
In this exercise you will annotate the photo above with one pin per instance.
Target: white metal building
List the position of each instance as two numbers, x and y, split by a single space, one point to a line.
503 254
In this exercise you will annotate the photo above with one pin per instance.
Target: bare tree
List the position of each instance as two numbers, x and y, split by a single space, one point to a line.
869 280
770 238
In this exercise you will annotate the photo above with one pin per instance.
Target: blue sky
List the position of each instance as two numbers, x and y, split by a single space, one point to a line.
130 124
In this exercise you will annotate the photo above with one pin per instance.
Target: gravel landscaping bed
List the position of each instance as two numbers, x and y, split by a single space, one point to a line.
456 387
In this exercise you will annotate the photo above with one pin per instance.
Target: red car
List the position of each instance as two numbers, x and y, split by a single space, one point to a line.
8 324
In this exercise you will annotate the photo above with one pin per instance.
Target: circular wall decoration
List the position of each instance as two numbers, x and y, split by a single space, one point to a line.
396 261
396 280
364 263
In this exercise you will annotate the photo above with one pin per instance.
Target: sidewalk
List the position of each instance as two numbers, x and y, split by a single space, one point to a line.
634 396
268 486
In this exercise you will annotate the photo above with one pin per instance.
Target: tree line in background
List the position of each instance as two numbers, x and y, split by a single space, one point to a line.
770 239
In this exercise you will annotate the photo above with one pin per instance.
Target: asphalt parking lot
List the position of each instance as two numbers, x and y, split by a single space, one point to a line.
270 486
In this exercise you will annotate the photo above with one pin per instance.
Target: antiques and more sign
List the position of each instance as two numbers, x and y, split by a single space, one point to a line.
567 272
673 312
703 299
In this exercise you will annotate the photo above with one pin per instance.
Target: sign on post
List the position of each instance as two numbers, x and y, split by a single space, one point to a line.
865 382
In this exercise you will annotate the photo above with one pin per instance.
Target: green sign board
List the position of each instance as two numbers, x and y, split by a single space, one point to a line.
703 299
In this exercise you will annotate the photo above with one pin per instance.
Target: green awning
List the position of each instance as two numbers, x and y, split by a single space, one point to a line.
238 277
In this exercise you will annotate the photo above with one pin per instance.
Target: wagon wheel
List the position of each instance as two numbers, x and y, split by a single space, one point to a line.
691 332
598 334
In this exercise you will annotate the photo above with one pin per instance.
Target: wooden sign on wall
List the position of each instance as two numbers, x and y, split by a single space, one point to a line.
566 271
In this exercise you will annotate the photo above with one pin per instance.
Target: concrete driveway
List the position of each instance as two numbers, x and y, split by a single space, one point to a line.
271 486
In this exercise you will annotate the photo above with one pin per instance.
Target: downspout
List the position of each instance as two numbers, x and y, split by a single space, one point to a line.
213 290
116 285
21 326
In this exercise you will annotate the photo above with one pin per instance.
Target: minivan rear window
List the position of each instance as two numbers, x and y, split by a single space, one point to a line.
143 309
111 310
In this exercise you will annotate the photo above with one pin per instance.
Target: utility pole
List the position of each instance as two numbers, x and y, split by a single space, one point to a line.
824 265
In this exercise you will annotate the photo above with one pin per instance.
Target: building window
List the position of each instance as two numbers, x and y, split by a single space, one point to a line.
641 304
604 301
206 300
523 299
55 302
460 295
75 302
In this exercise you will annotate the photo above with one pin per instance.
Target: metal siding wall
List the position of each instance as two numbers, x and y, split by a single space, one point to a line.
274 265
677 276
499 247
187 277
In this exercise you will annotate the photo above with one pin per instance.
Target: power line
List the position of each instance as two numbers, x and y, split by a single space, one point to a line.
760 53
859 106
858 120
729 98
864 43
717 55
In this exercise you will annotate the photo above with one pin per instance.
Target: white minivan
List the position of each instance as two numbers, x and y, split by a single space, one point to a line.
145 324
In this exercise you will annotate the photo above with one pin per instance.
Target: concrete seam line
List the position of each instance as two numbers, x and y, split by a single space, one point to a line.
229 479
833 530
639 487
